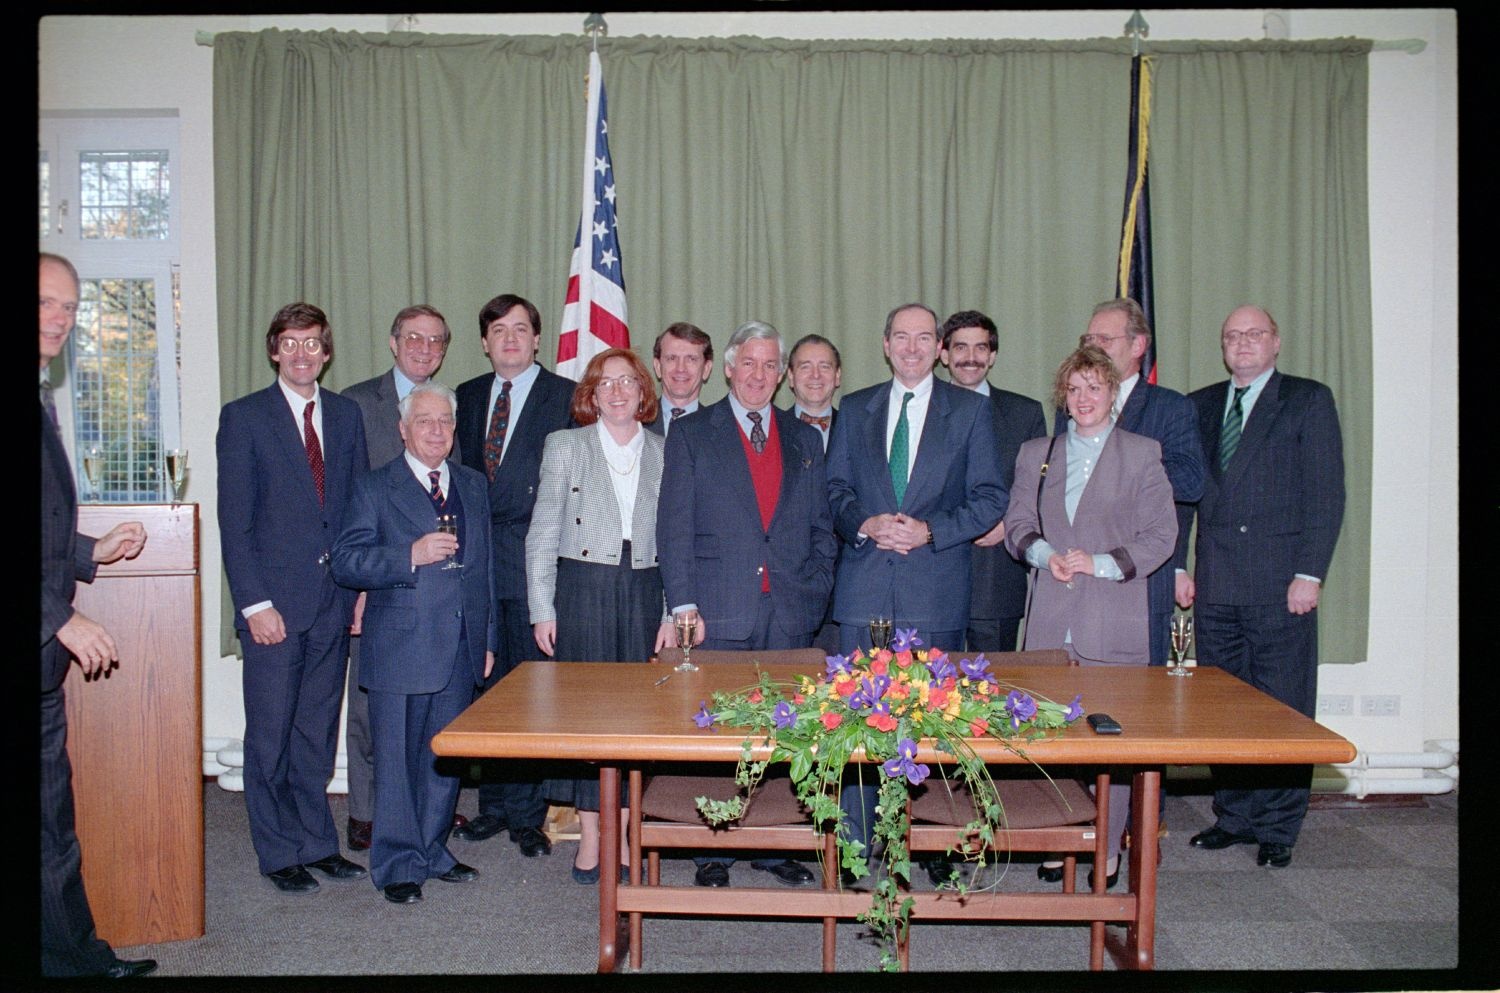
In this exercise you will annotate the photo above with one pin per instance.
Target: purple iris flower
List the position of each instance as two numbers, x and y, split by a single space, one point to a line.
906 640
869 692
703 718
784 716
976 668
942 668
1075 709
905 764
1021 707
837 665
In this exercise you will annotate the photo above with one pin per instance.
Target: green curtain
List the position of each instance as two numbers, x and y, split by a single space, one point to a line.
811 184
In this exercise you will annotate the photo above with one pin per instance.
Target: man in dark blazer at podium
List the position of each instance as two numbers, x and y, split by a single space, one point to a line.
997 595
504 418
1267 526
419 340
288 456
70 946
429 633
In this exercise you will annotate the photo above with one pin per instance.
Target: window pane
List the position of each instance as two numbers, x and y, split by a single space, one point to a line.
115 389
43 190
124 195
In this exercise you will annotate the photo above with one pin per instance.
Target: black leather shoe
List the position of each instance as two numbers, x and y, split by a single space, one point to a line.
1049 873
359 835
712 874
1216 837
1109 880
403 892
789 872
338 867
130 968
293 879
1274 854
459 820
531 841
460 873
940 872
482 827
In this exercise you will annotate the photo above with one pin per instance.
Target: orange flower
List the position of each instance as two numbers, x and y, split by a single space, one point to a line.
832 719
881 722
899 690
937 698
798 698
978 726
879 667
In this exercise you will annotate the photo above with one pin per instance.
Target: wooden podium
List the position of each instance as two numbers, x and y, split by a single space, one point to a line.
135 735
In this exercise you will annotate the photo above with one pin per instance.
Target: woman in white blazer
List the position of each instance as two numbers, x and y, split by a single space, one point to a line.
592 583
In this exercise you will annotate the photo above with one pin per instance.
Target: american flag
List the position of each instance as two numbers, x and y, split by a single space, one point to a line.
594 311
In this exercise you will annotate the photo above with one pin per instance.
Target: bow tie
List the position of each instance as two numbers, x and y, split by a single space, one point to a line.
820 420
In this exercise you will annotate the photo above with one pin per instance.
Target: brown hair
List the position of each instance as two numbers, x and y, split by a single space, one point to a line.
299 317
586 411
1088 360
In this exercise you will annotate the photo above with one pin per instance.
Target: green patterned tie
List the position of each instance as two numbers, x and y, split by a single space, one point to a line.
1229 438
900 451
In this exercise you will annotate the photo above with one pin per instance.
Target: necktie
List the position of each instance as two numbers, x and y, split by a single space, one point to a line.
1229 438
436 492
494 441
757 433
48 404
819 421
677 412
900 450
314 450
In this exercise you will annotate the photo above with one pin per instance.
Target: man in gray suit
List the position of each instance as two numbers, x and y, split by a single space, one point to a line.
419 340
1267 525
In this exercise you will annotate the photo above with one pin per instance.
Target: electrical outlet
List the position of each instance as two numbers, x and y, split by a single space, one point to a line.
1380 706
1335 704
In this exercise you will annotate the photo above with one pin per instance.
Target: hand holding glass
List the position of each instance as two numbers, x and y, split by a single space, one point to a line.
448 524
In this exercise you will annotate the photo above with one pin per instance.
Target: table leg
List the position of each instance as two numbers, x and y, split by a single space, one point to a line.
1144 819
609 861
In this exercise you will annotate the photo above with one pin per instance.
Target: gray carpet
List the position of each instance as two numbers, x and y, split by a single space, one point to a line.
1369 888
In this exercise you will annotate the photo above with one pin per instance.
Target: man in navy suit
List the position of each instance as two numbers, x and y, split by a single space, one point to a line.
504 418
814 373
743 530
997 593
70 947
683 359
913 478
419 340
288 457
1267 526
1119 328
429 633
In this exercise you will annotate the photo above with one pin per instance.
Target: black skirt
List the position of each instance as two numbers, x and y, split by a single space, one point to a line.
605 613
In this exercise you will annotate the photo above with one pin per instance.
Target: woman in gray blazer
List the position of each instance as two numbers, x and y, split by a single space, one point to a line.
592 584
1091 512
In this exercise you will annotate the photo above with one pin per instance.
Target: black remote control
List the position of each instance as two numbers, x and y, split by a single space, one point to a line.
1105 724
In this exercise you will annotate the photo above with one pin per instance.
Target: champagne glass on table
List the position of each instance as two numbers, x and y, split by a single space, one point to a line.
448 524
175 460
93 469
1182 640
880 632
686 624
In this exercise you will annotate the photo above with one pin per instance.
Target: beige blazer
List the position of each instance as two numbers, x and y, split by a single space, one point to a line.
576 515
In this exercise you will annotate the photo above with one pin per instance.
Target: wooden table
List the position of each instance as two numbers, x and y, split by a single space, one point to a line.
619 714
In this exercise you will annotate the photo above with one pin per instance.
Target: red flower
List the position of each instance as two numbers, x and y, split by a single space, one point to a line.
798 698
755 696
978 726
937 698
832 719
881 722
845 687
878 667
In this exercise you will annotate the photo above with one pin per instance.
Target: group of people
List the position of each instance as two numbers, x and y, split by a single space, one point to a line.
432 539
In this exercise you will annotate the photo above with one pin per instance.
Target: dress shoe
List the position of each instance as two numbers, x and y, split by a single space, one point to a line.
712 874
338 867
460 873
787 871
532 842
359 835
403 892
1050 873
130 968
459 820
585 877
1216 837
1274 854
1109 880
940 872
482 827
293 879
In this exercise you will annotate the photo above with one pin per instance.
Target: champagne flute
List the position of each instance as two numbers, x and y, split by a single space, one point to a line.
93 469
880 632
1182 639
448 524
176 463
686 624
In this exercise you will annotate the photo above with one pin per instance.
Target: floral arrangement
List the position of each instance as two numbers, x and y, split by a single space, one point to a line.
884 702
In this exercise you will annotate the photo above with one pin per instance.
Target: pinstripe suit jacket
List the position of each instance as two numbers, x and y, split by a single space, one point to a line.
577 517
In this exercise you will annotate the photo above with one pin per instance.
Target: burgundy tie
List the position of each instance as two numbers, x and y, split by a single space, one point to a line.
494 441
757 433
314 450
436 492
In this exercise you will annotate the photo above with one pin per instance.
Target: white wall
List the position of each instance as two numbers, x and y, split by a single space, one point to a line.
112 63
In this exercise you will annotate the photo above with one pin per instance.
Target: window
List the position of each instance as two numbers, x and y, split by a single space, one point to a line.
108 202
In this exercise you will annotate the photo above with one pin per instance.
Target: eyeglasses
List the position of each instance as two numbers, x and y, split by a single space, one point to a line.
289 346
1099 340
416 340
1253 335
625 384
